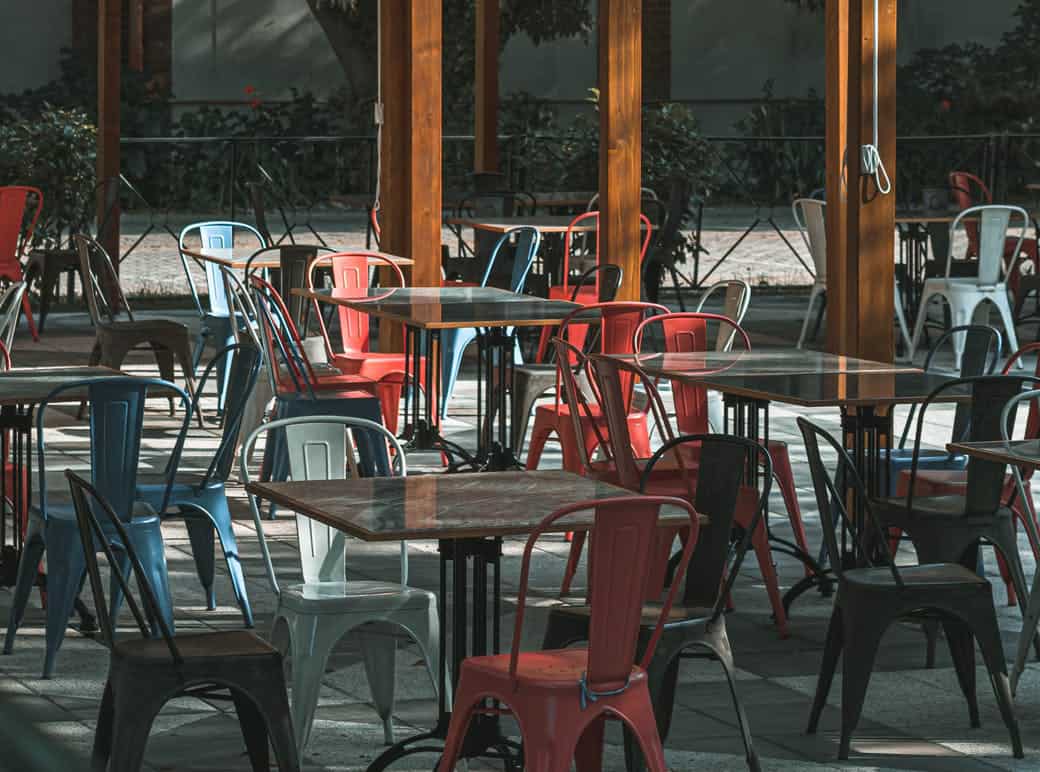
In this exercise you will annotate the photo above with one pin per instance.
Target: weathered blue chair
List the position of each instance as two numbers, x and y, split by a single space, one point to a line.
454 342
116 423
216 314
201 498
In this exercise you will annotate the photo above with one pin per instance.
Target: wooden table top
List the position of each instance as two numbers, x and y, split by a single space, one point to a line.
788 361
1021 453
270 261
448 307
925 216
29 386
545 223
445 506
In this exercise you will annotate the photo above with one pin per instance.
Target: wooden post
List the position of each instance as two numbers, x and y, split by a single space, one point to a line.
837 101
410 180
135 31
863 284
620 138
485 130
109 63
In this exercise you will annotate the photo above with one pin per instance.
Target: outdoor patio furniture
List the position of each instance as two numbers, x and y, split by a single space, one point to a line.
982 347
147 672
201 498
350 273
966 294
10 311
116 423
730 474
533 380
116 337
454 342
44 270
557 721
20 208
488 203
877 593
217 322
617 322
952 528
312 616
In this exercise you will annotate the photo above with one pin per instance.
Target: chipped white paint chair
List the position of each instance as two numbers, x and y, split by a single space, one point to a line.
966 294
318 612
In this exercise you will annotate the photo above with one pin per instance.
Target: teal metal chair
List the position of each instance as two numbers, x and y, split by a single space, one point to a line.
116 424
201 498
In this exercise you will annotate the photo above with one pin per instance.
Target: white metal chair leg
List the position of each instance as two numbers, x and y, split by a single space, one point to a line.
1004 309
311 643
813 294
379 649
901 319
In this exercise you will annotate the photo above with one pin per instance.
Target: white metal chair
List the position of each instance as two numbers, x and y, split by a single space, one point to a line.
312 616
735 306
812 225
966 294
10 310
810 217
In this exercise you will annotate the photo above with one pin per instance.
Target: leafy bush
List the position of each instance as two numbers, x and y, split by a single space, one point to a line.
52 150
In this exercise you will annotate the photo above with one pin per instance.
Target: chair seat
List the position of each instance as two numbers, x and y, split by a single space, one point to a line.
544 670
230 644
931 575
340 597
59 507
968 283
156 327
651 613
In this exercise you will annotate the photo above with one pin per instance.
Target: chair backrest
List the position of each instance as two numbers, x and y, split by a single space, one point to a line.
622 552
810 217
988 395
294 272
287 359
606 276
724 481
735 302
691 332
17 226
104 295
351 272
838 496
575 229
10 311
324 448
527 242
116 422
256 198
241 363
100 526
213 234
968 191
993 222
1033 420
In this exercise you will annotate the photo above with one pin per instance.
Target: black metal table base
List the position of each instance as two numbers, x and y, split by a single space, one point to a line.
470 561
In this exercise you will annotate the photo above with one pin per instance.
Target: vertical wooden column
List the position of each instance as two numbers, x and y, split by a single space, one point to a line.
620 138
837 101
863 285
410 178
485 130
109 62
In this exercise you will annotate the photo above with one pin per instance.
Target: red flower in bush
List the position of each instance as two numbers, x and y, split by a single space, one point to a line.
255 104
250 90
945 105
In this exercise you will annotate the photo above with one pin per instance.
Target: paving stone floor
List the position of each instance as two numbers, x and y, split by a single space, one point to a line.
915 719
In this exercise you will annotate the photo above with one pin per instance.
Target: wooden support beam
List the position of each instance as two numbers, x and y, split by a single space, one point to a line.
135 31
410 179
485 130
837 101
109 52
620 138
863 286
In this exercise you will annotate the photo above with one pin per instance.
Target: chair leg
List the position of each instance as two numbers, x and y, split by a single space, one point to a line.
27 308
254 731
862 637
640 719
760 542
272 705
310 646
742 721
831 651
539 437
784 476
808 317
28 568
66 569
102 749
1004 309
133 720
200 534
962 651
588 755
573 559
984 626
221 522
379 650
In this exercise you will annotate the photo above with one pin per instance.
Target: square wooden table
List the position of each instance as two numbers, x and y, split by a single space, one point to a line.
425 312
468 514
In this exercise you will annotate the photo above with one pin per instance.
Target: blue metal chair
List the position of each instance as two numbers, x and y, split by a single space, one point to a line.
216 319
202 498
116 423
454 342
982 348
297 395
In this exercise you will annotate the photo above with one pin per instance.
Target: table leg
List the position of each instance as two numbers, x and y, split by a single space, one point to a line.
15 488
470 637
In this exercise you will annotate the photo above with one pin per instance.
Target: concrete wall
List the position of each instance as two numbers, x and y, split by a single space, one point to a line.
31 37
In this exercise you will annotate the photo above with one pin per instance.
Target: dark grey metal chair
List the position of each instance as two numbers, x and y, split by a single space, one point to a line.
147 672
875 593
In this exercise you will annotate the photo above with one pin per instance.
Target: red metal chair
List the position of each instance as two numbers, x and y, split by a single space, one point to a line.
297 374
14 205
968 191
688 332
942 482
618 322
562 698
